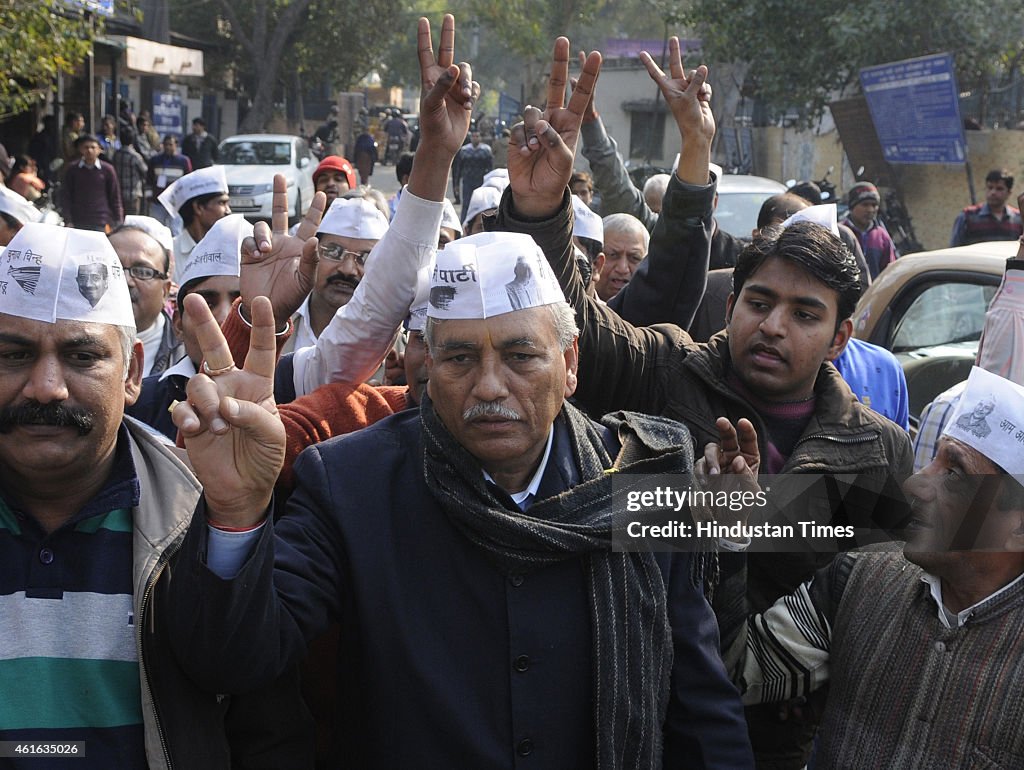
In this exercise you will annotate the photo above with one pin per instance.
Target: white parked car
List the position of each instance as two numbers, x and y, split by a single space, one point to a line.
250 162
739 201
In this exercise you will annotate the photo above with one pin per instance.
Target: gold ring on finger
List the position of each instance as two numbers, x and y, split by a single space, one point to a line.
214 372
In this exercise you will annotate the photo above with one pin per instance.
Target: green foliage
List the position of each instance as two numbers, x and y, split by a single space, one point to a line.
266 42
38 39
799 53
343 39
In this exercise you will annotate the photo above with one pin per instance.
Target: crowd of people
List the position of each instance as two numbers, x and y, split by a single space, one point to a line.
357 493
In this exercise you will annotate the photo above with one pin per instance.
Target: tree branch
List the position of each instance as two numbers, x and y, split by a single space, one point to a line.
236 26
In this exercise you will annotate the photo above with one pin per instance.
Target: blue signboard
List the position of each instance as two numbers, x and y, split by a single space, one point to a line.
167 113
509 109
102 7
915 106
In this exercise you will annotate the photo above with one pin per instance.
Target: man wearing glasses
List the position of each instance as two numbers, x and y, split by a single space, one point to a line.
349 230
144 247
211 271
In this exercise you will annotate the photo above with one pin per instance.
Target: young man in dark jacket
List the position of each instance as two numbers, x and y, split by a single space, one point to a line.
789 317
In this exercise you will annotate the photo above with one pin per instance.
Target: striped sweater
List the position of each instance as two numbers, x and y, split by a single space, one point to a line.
905 692
69 667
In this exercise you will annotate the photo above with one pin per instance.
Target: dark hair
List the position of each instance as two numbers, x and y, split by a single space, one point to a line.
83 138
126 135
188 214
121 228
199 121
21 162
169 137
404 165
809 191
71 117
813 249
590 247
187 288
581 176
779 207
1000 175
10 221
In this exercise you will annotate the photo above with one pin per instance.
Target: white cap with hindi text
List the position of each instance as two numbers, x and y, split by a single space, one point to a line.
220 250
203 181
450 217
49 272
489 274
824 215
990 419
483 199
496 178
354 218
587 224
158 231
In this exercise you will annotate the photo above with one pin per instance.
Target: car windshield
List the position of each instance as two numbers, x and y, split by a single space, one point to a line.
256 153
941 314
737 211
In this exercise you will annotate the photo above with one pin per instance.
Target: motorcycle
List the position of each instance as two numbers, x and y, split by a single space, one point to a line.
393 150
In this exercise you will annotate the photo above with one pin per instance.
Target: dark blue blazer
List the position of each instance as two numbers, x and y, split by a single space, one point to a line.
444 660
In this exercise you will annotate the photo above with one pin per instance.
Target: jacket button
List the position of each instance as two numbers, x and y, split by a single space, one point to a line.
940 647
522 663
516 580
46 556
525 747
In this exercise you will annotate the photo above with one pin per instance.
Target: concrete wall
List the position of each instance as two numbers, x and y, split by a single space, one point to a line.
934 194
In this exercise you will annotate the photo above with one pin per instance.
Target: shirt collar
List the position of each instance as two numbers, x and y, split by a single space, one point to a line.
83 164
985 210
184 368
524 498
950 620
303 335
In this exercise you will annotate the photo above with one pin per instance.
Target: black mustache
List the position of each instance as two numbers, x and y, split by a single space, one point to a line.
342 279
53 414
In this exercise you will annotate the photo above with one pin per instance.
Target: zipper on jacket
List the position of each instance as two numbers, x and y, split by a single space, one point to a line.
861 438
157 571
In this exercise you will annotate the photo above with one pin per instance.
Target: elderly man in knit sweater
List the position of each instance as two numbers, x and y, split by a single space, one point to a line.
922 649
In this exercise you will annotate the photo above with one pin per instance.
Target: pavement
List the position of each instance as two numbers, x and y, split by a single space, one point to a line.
383 179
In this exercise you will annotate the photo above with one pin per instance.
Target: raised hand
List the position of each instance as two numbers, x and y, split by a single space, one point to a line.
589 112
448 91
688 96
731 464
736 451
234 437
543 145
281 266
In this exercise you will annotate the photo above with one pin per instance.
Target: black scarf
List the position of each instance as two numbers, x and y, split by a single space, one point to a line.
629 619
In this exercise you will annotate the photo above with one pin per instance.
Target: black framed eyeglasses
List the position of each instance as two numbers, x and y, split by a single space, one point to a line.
338 253
143 273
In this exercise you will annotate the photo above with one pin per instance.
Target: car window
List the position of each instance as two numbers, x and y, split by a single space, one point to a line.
942 314
256 153
737 212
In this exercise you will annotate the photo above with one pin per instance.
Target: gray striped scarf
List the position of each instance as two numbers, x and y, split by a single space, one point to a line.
629 620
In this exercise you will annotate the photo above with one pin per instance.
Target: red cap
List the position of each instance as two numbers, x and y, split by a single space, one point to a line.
337 163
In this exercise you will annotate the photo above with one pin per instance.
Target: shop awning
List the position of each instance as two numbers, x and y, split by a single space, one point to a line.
152 58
